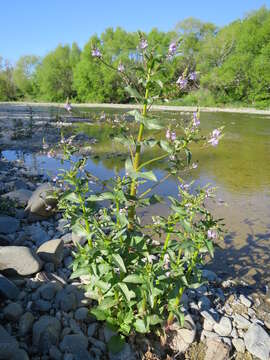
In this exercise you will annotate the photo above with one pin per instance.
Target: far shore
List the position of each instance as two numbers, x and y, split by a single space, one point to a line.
154 107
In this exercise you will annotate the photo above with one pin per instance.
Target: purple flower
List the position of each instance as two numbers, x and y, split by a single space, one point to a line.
212 234
215 137
96 53
182 82
172 48
196 121
143 44
194 166
68 107
121 67
168 134
193 76
173 136
184 187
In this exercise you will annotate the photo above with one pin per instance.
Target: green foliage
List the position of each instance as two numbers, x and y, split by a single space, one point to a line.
137 282
232 64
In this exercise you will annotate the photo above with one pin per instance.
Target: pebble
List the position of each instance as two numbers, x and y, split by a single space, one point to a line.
239 345
25 324
81 313
245 301
8 289
241 321
223 327
257 342
92 328
13 311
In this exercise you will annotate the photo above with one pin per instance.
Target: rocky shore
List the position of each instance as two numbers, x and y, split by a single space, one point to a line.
45 315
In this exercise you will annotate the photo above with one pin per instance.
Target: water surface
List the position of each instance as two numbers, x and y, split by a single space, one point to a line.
239 167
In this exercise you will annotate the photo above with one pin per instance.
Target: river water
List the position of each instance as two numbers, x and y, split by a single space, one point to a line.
239 167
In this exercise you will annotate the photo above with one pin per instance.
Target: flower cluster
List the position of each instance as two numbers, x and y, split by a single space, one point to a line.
96 53
172 49
215 137
183 80
143 44
170 135
121 67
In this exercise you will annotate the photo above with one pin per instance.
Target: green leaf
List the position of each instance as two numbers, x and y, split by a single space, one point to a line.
79 272
100 314
149 175
133 279
166 146
210 247
101 197
107 303
119 262
128 294
140 326
116 344
160 83
149 123
72 197
155 319
133 92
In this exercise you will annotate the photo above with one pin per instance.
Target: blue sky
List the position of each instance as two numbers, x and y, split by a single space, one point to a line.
38 26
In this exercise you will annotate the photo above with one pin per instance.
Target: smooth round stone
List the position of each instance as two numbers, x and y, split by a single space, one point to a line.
13 311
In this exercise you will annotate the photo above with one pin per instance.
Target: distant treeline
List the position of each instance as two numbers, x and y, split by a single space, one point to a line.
232 63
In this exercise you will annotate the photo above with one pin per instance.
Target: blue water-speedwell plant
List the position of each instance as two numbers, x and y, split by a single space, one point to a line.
137 273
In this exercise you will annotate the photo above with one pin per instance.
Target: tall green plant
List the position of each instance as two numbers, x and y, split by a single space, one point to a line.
136 273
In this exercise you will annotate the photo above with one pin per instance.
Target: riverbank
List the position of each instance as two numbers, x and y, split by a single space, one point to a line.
154 107
45 314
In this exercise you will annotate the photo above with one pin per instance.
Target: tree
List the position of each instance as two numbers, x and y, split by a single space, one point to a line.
24 75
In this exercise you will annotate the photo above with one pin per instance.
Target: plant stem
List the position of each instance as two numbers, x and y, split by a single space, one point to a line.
177 302
136 162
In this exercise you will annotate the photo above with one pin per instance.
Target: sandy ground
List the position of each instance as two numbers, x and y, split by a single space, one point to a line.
154 107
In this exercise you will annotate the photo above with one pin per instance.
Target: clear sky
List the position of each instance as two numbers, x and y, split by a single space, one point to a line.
38 26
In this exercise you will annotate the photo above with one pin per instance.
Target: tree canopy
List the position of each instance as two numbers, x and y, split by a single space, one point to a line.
233 64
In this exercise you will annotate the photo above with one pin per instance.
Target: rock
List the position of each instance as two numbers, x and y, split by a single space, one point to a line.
67 238
25 324
180 338
13 311
41 203
37 234
20 354
92 328
241 321
208 325
97 343
108 333
209 275
245 301
20 196
46 332
55 353
68 261
78 239
19 259
124 354
42 305
81 313
205 334
257 342
52 251
63 226
8 345
8 289
48 291
66 301
204 303
8 224
239 345
216 350
211 315
76 345
223 327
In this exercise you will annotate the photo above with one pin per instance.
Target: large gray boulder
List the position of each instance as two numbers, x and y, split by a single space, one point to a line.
19 259
42 203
